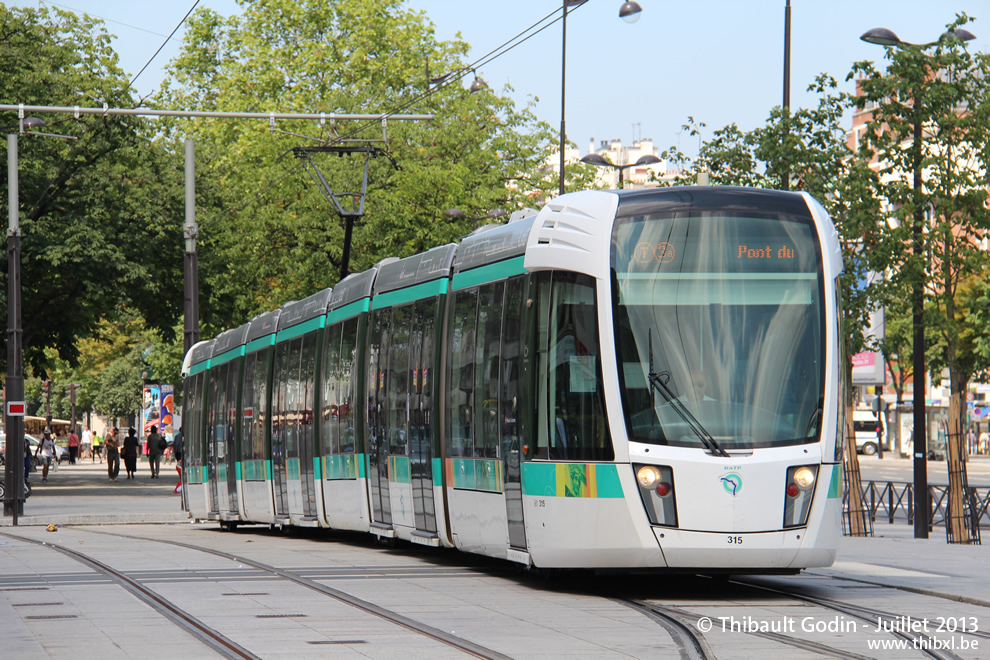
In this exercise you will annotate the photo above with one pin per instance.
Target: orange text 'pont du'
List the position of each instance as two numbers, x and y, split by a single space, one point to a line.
746 252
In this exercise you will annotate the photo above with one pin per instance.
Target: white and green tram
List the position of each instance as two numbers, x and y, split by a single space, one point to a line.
640 379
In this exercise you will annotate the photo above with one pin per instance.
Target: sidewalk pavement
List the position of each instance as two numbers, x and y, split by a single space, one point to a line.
82 494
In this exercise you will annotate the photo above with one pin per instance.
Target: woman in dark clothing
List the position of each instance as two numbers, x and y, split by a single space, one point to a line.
130 453
112 449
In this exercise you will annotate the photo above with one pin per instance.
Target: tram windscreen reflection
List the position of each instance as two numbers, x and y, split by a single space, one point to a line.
728 310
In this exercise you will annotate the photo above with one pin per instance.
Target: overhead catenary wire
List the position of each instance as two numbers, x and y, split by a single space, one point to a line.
458 74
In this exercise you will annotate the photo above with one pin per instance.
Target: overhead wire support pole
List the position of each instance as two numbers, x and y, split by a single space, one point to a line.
190 262
357 198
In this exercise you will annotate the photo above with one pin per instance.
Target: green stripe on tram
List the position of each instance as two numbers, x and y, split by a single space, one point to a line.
399 469
490 273
232 354
835 484
300 329
349 310
342 466
259 344
592 480
254 470
437 472
198 367
429 289
292 468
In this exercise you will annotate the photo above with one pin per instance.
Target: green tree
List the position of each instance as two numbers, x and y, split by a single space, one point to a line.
273 235
100 215
941 89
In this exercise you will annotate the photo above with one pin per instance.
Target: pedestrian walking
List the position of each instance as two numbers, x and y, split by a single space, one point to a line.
177 452
73 444
130 451
86 444
97 448
156 446
112 449
47 451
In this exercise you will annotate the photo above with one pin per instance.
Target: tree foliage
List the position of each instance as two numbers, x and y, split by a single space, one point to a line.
99 216
275 236
930 133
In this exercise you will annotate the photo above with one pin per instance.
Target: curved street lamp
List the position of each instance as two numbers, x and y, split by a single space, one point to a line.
601 161
888 38
630 12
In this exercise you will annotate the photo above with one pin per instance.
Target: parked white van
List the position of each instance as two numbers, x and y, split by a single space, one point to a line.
865 426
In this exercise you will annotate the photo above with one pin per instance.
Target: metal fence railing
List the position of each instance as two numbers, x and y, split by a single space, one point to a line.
894 500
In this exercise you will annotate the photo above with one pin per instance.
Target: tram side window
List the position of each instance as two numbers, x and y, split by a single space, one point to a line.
378 343
330 393
307 384
294 398
511 366
230 411
489 335
398 380
461 379
279 403
217 407
194 430
254 403
425 313
347 383
578 426
247 396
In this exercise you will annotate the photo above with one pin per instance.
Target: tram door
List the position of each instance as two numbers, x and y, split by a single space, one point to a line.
378 342
216 457
421 408
279 385
514 347
304 417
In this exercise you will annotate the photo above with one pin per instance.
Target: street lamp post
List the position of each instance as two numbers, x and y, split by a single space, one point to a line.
601 161
785 178
630 12
885 37
13 503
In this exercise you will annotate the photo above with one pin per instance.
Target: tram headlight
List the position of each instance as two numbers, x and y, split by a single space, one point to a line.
804 477
799 491
656 489
648 476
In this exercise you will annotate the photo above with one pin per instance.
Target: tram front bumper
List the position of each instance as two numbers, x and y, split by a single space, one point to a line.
747 551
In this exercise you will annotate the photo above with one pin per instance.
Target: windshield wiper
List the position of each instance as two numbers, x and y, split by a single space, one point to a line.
657 384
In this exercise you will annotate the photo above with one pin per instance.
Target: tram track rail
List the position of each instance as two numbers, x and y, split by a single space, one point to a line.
412 625
691 644
178 616
868 614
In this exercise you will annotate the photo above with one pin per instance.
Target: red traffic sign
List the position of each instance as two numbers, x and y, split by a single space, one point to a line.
16 409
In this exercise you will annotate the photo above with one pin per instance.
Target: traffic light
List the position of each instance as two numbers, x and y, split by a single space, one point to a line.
46 388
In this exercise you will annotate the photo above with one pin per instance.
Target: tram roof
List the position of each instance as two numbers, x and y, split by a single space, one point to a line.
263 325
727 198
354 287
492 245
298 311
424 267
201 352
229 339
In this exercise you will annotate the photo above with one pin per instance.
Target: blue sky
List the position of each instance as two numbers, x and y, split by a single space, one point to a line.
719 61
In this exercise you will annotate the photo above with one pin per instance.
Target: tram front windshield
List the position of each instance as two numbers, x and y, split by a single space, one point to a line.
719 324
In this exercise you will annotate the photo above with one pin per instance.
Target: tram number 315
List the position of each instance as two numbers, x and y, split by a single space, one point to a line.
734 540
